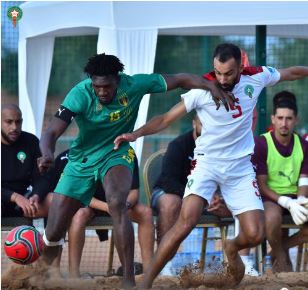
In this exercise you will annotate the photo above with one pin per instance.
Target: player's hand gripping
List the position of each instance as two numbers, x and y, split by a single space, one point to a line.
302 200
218 206
298 212
127 137
25 204
221 96
44 163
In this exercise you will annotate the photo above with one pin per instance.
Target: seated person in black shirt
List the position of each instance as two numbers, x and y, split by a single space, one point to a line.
19 171
169 189
139 213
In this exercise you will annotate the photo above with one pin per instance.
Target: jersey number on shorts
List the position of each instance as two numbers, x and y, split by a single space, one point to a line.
238 108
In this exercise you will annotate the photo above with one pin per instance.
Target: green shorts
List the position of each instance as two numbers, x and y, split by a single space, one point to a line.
81 183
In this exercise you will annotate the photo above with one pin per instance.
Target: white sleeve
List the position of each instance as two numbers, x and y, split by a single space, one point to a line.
271 76
196 98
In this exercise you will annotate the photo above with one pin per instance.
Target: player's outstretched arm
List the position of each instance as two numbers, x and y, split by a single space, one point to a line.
293 73
155 125
48 143
191 81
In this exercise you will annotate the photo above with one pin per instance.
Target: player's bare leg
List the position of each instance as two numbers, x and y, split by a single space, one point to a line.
191 211
117 183
76 238
169 206
60 214
274 234
298 238
252 231
142 215
251 234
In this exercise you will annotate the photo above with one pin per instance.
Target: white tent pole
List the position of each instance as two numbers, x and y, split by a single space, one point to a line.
39 59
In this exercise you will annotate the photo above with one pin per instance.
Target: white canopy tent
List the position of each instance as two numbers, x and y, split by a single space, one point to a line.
129 30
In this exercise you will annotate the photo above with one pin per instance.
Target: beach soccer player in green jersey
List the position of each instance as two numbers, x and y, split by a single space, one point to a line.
104 106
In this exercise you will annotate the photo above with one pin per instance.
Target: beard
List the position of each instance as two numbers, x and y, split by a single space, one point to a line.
7 138
284 132
227 88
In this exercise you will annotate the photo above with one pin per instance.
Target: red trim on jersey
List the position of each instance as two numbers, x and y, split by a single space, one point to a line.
210 76
252 70
249 70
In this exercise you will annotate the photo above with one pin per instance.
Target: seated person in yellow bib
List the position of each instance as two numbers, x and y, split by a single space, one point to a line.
281 159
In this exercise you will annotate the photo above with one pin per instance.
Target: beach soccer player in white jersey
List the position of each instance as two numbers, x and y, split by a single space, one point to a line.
222 156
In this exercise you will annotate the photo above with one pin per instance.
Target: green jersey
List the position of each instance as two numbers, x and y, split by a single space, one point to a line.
99 124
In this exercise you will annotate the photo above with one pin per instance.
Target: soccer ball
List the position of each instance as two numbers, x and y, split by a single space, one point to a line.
23 245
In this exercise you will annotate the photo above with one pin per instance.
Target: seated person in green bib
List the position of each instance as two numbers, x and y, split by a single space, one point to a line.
104 106
281 159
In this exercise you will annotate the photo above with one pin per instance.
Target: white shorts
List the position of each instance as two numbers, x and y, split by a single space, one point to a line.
236 179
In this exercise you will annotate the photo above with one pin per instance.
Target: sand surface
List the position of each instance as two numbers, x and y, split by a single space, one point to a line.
35 278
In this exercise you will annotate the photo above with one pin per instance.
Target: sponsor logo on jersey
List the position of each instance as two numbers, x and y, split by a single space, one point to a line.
249 90
271 69
21 156
115 116
123 99
99 107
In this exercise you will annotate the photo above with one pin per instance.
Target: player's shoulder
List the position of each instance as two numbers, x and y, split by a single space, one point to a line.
140 77
260 141
83 85
304 143
28 137
252 70
83 88
197 93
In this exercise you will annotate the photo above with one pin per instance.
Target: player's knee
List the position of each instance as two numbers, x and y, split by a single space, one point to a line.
304 230
147 215
169 209
53 239
116 204
81 217
255 236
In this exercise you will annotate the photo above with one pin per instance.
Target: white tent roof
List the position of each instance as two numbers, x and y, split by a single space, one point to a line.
168 16
129 30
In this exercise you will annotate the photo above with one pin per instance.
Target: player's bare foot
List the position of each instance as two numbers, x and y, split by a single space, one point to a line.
144 286
236 268
282 265
191 279
128 284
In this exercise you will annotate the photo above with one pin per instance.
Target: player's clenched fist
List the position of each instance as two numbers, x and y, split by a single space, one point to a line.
44 163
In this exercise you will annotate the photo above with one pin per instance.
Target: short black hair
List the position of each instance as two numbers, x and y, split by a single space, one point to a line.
12 107
103 65
225 51
284 99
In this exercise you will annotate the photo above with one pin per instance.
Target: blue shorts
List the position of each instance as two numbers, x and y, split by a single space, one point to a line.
156 194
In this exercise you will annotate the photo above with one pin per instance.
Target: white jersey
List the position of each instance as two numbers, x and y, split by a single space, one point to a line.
228 135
